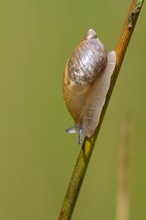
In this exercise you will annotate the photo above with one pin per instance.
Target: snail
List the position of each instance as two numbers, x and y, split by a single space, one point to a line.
86 82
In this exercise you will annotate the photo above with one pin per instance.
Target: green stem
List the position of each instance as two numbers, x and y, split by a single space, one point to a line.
88 144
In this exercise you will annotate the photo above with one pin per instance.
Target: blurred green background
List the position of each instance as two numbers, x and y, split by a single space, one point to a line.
36 155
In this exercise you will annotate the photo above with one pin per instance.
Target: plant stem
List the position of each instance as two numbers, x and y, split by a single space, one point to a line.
88 144
123 171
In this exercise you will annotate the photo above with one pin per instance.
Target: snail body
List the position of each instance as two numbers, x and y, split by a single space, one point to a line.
86 81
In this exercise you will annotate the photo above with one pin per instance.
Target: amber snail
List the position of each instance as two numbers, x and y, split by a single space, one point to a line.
86 82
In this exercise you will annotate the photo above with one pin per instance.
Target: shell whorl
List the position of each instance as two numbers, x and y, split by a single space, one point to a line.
88 60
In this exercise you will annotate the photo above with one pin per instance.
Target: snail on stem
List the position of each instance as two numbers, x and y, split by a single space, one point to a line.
86 82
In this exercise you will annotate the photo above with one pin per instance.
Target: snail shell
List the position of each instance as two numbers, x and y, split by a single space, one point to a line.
86 82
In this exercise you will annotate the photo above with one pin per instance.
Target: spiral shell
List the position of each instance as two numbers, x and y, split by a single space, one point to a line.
86 81
88 61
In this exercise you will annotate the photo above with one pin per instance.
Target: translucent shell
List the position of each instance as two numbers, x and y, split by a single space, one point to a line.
87 61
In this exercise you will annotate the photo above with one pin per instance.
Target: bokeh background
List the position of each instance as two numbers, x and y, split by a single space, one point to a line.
36 155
